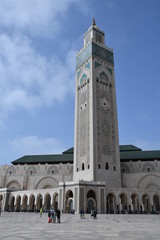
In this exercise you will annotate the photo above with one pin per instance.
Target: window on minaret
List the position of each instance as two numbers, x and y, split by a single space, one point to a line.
88 166
98 38
99 165
106 165
82 166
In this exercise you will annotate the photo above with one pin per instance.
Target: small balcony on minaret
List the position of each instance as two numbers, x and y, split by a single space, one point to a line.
94 34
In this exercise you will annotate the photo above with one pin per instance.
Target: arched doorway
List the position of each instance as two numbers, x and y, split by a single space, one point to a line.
47 202
55 201
91 201
134 203
111 203
145 203
18 204
156 206
11 204
39 202
31 203
69 201
123 203
24 203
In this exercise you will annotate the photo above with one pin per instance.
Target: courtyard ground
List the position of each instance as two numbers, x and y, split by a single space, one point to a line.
127 227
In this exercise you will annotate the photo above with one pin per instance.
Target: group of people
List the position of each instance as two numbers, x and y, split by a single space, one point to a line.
53 216
93 214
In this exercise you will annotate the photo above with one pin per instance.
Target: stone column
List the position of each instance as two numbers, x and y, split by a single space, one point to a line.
75 203
61 200
52 201
102 207
130 206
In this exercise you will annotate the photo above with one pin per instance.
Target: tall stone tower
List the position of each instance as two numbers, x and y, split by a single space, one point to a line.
96 144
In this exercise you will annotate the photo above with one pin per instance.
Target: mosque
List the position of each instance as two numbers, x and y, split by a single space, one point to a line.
97 173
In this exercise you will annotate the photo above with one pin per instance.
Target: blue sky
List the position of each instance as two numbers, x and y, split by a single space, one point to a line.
39 40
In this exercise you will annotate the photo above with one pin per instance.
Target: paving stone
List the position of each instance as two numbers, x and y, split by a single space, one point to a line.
27 226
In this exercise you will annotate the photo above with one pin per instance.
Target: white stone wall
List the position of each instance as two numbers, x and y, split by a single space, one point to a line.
34 176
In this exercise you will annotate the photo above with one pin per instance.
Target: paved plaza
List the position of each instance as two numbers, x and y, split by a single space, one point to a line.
30 226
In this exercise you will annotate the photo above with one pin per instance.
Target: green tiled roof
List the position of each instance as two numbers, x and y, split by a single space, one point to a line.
139 155
127 153
35 159
69 151
129 148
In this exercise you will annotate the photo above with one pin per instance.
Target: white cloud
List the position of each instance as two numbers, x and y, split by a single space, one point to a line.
30 80
38 17
34 145
29 145
34 16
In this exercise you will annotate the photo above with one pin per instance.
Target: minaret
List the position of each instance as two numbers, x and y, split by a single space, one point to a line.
96 144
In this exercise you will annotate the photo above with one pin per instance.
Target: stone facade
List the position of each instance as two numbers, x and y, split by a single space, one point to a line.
102 176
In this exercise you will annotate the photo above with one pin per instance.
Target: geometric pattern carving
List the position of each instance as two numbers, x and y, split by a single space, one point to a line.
105 128
51 169
124 168
106 150
103 75
83 131
83 79
152 187
104 107
148 167
31 170
149 180
47 182
14 185
10 170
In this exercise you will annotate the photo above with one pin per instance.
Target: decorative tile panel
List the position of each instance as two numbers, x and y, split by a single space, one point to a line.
102 53
96 50
84 55
88 66
97 64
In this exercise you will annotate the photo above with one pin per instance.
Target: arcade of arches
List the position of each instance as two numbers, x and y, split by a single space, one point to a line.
33 202
133 203
115 203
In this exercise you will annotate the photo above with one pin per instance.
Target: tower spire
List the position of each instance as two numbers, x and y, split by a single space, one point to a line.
93 22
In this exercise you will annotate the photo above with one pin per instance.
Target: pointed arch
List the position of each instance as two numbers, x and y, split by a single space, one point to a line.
69 201
31 203
47 201
111 203
24 203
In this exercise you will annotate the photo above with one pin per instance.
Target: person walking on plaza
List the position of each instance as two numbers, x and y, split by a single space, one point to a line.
82 216
49 217
95 214
91 214
58 216
55 214
40 212
52 215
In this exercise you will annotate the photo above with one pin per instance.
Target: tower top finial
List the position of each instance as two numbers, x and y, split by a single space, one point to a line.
93 22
